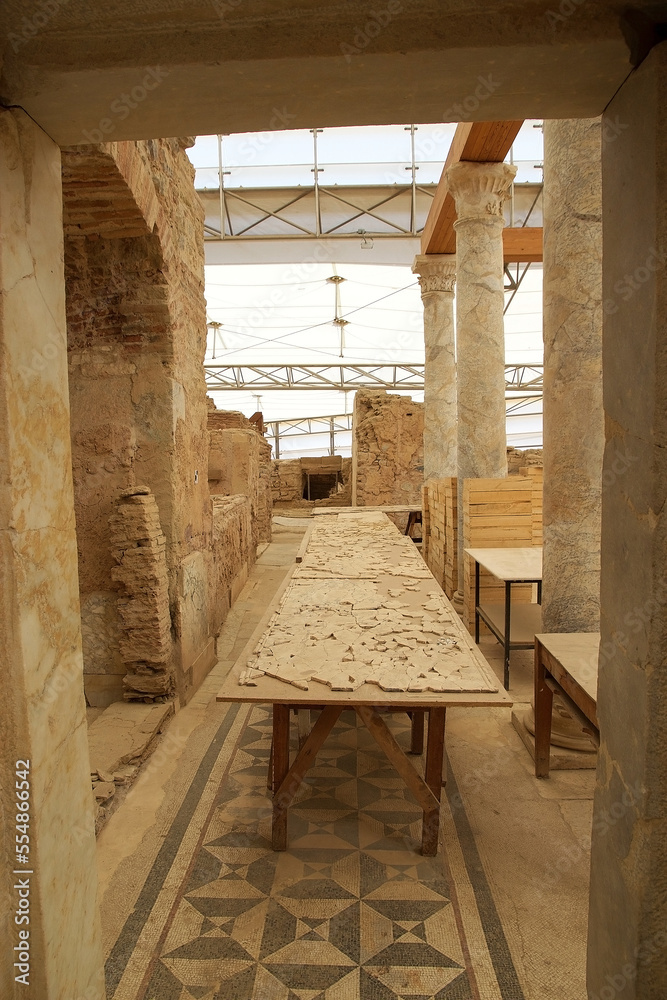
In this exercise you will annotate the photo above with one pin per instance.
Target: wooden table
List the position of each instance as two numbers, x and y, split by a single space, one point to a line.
514 629
369 703
374 570
566 663
389 508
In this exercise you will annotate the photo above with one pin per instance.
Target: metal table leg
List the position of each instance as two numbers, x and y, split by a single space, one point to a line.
508 632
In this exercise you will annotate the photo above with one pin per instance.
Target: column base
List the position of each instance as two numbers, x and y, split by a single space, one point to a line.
566 731
457 603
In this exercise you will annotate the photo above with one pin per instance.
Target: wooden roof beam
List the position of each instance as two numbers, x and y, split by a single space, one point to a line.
522 245
479 142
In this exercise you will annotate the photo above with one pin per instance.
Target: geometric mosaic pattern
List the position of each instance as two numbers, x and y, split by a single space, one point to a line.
351 910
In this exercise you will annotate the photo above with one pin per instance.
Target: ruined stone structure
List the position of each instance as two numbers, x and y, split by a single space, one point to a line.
387 449
138 547
239 463
330 474
233 553
136 329
60 86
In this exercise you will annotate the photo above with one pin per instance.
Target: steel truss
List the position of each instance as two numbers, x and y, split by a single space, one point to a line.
341 423
518 378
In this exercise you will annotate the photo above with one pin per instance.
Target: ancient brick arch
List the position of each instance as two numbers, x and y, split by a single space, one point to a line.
136 335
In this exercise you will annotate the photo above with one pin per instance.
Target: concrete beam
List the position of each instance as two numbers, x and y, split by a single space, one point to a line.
125 71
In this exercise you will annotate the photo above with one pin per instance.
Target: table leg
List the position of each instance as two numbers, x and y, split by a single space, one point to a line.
269 777
427 797
280 769
476 602
287 785
417 731
304 724
433 777
543 709
508 633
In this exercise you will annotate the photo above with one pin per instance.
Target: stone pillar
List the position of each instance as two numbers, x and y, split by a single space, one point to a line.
479 190
627 942
573 413
437 274
42 711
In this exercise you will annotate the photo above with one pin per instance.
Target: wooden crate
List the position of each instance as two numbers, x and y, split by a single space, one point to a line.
434 528
451 537
536 473
497 513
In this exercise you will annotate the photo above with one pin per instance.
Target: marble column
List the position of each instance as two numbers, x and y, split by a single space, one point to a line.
573 412
627 940
437 274
42 711
479 190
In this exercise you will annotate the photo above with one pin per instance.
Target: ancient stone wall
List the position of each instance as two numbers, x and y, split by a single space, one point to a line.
518 459
287 482
136 339
240 464
138 548
232 552
387 449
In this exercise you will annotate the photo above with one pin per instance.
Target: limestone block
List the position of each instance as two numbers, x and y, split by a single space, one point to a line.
42 714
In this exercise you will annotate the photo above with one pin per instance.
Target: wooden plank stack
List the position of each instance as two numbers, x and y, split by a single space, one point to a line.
498 513
433 528
451 537
426 522
536 473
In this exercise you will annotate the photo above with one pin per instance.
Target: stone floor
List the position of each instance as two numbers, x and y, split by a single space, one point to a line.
196 905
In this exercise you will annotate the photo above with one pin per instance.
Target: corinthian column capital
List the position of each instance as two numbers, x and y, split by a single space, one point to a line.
436 271
479 189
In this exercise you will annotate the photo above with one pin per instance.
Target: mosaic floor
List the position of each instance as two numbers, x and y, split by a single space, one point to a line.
351 911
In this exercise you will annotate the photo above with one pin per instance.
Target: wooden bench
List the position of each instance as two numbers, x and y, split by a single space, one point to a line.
566 663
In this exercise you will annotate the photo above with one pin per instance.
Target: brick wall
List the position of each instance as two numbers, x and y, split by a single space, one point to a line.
136 314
